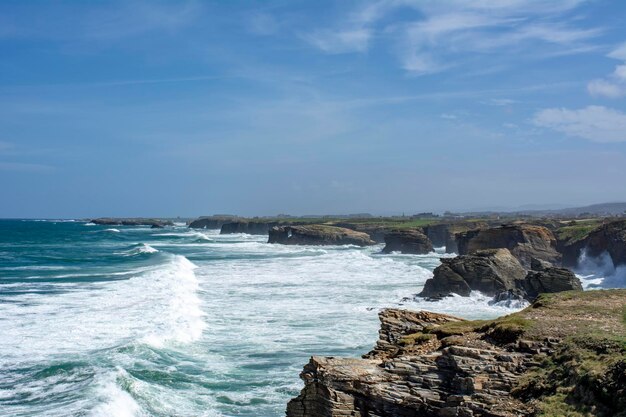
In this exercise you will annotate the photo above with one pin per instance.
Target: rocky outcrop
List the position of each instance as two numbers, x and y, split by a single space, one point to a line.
444 234
554 358
411 241
317 235
609 238
544 278
489 271
525 242
497 273
136 221
211 222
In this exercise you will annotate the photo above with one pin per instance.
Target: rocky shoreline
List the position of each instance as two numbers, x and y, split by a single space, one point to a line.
563 356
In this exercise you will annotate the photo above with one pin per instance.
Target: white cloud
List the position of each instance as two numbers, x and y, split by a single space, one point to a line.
595 123
613 86
448 29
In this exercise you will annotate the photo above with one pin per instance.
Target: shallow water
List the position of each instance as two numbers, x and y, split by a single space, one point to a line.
133 321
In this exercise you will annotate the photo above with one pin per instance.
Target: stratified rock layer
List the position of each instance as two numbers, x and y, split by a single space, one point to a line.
525 242
411 241
317 235
555 358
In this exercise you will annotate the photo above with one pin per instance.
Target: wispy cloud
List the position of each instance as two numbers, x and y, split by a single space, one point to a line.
445 31
595 123
613 86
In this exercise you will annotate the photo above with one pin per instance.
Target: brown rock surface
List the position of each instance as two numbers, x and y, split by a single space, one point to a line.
525 242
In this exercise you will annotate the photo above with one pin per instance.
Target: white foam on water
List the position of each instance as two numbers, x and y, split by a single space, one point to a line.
113 400
89 224
182 316
112 230
141 248
157 303
600 272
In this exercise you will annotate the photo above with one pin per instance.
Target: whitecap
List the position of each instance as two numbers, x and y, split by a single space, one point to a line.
140 248
113 400
112 230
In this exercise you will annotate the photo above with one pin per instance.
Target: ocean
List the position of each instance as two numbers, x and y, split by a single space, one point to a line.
133 321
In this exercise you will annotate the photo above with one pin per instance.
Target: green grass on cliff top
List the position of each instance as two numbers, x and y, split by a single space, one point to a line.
577 230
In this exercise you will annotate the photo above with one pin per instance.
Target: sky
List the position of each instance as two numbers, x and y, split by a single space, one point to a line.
187 108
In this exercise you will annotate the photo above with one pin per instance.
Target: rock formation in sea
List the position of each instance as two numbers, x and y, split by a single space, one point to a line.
250 227
211 222
444 234
609 237
135 221
563 356
317 235
497 273
524 241
411 241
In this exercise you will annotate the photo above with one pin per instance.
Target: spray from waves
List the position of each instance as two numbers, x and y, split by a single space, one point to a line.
600 272
181 317
140 248
113 400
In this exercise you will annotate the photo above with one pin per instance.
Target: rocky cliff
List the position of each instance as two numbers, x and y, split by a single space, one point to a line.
317 235
211 222
524 241
497 273
609 237
563 356
444 234
411 241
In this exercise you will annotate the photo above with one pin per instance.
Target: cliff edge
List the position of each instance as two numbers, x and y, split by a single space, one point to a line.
565 355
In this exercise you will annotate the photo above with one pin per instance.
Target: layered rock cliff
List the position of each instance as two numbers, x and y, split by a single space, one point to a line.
524 241
563 356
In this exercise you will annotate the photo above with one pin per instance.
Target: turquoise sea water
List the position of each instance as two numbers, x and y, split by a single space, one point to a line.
133 321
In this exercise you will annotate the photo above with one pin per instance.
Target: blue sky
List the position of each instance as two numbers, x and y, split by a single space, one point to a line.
185 108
